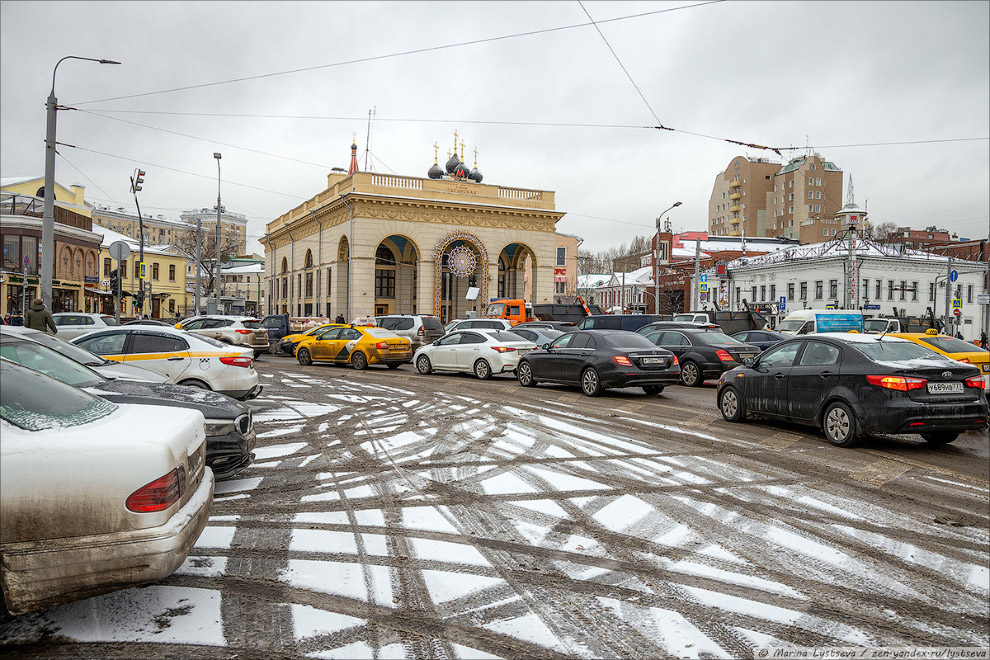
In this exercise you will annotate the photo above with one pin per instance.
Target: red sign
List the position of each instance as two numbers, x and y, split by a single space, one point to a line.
957 312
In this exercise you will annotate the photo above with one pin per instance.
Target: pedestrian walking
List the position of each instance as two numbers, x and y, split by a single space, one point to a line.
39 318
340 318
983 340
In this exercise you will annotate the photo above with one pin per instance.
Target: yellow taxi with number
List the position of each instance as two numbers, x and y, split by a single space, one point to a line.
957 349
357 346
287 344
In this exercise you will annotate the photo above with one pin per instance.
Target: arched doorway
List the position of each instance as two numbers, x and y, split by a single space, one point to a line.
283 294
396 276
517 272
460 264
341 283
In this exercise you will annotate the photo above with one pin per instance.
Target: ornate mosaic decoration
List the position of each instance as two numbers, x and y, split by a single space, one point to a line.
461 261
438 251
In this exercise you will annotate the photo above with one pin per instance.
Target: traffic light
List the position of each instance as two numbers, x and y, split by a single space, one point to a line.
137 180
114 281
139 300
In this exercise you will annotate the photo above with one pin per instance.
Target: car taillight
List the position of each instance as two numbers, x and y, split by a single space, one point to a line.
899 383
243 331
622 360
237 361
975 381
382 345
966 360
421 331
159 495
724 356
675 362
502 349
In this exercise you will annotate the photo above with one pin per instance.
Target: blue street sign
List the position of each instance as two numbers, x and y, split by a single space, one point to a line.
953 276
873 307
704 278
783 303
703 287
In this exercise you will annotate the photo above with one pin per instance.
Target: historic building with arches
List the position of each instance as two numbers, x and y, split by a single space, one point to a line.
383 244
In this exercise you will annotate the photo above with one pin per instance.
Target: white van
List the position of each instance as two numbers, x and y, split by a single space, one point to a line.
808 321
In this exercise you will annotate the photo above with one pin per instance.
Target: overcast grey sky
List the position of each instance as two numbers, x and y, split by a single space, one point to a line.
785 74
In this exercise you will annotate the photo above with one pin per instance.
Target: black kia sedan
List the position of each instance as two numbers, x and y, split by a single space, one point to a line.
762 339
703 354
853 385
600 359
230 436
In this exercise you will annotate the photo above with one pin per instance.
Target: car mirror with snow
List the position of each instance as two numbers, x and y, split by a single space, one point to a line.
749 362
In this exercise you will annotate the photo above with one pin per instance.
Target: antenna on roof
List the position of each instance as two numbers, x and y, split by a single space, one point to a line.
367 139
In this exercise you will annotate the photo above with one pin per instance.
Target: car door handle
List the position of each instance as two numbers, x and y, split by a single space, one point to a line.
825 374
176 357
778 376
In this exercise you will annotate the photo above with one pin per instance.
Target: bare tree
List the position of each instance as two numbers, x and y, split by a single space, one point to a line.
229 247
886 232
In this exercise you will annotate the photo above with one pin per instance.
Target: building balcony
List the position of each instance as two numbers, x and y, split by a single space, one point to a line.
735 195
735 184
735 209
733 221
735 233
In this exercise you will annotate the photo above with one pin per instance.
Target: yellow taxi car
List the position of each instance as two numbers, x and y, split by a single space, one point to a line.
957 349
287 344
358 346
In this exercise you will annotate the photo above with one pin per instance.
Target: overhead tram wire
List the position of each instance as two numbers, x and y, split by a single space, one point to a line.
415 51
83 174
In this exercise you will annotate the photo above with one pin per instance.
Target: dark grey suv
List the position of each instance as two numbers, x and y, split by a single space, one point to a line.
417 328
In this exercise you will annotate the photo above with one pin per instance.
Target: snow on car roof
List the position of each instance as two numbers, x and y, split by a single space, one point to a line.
855 337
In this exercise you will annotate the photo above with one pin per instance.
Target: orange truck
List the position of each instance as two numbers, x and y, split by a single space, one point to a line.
514 310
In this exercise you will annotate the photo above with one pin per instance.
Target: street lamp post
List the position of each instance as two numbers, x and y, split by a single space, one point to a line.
656 263
216 280
48 222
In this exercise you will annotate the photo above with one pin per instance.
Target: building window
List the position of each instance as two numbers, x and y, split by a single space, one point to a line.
811 182
809 208
154 271
298 284
790 197
561 256
812 167
763 293
137 269
818 208
171 306
833 288
914 291
866 288
106 265
328 287
752 297
171 272
559 287
804 290
285 287
790 209
811 195
818 182
309 285
738 295
773 292
931 292
790 291
818 289
969 293
818 194
890 289
384 283
903 287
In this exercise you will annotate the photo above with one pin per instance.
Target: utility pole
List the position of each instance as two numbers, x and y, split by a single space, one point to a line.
695 280
199 229
136 182
948 297
216 279
851 274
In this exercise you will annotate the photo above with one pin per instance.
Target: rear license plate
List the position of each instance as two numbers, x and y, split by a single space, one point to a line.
654 360
986 367
945 388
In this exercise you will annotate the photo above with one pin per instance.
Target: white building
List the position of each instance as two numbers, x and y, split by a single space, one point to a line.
887 282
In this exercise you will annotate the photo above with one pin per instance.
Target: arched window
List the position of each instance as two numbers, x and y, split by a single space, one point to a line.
285 265
309 258
384 257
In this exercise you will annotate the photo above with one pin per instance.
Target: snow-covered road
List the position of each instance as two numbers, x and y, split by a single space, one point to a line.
390 515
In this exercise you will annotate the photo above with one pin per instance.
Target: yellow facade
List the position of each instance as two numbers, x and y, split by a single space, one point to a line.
72 198
165 278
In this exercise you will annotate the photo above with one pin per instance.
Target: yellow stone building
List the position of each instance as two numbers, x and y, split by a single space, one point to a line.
378 244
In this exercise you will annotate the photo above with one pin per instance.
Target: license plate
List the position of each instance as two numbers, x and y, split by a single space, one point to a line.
986 367
945 388
654 360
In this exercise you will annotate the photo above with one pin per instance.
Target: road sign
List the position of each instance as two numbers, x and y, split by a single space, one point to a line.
119 250
703 287
957 303
953 276
871 307
783 304
983 299
703 296
830 307
957 312
704 278
143 272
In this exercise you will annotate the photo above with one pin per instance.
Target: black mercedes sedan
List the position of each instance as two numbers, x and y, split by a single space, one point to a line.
230 436
762 339
600 359
704 354
853 385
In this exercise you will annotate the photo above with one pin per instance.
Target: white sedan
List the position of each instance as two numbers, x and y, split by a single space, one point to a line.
85 507
183 358
484 352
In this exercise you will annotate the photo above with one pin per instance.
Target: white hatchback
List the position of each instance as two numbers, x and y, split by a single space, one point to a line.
183 358
73 324
483 352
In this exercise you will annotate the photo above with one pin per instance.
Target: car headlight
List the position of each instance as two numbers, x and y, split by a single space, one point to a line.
219 427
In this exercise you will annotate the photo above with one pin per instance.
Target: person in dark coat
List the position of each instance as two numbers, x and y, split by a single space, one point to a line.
339 319
39 318
983 340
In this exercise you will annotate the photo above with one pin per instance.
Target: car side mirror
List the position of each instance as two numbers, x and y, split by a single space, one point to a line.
436 342
546 346
749 362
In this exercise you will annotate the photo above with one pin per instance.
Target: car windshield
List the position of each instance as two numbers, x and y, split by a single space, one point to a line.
209 340
251 324
950 344
380 333
713 338
77 353
896 351
43 359
875 325
628 340
505 335
34 402
789 326
109 320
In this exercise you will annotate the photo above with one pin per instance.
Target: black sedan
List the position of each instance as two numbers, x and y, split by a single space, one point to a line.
230 435
599 359
763 339
851 385
703 354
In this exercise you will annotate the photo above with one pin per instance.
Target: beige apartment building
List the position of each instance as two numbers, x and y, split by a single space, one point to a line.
738 204
160 231
804 200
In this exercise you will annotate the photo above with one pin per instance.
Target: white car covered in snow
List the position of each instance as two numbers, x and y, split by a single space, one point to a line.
181 357
94 496
483 352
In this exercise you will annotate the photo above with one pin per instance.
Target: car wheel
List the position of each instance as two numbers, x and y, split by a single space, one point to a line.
591 384
482 369
423 365
730 405
690 374
653 390
198 384
839 425
940 437
359 362
524 373
305 359
393 365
